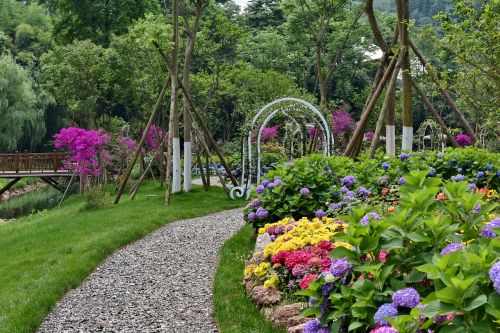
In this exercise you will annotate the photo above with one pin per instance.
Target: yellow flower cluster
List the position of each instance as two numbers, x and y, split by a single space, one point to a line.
273 282
305 232
261 270
249 270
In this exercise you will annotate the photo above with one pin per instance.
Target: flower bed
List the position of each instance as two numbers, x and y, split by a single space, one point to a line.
416 253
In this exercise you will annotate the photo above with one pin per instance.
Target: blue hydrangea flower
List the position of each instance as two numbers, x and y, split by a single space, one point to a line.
385 311
472 187
459 170
489 167
488 231
314 326
440 154
260 189
348 181
320 213
363 191
385 166
476 209
340 267
408 298
304 192
432 172
401 181
261 213
265 182
404 156
458 178
335 206
450 248
480 175
495 276
365 221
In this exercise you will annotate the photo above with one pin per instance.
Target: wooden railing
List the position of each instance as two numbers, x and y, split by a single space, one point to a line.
32 163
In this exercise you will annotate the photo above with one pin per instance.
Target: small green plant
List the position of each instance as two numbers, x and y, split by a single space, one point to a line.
97 197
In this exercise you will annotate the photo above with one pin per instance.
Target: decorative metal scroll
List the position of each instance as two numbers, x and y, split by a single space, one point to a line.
289 103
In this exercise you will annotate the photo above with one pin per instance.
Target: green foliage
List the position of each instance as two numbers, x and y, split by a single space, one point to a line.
20 115
96 198
323 177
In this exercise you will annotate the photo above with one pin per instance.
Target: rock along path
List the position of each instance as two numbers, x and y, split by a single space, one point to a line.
161 283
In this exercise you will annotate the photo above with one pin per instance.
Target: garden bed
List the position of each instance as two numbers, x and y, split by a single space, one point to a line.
390 245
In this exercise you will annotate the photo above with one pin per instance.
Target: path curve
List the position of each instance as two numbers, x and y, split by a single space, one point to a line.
161 283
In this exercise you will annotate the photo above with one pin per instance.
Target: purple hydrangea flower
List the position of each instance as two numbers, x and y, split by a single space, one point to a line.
312 301
476 209
463 140
495 276
383 181
314 326
320 213
385 311
261 213
344 189
401 181
488 231
278 182
459 170
363 191
265 182
408 298
289 164
260 189
457 178
335 206
270 186
348 181
299 270
480 175
385 166
256 203
385 329
404 156
340 267
304 192
350 194
375 216
489 167
472 187
251 216
327 288
450 248
365 221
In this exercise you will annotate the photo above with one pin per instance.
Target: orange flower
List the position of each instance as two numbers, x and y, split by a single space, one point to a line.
391 209
441 196
483 190
385 191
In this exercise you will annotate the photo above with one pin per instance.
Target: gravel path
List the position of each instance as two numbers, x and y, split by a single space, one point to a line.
161 283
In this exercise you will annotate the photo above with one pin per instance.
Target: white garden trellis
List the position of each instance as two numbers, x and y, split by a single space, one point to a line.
282 106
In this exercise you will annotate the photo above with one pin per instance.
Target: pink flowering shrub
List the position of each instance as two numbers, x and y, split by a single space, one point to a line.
88 149
313 130
154 138
463 140
342 121
368 136
269 133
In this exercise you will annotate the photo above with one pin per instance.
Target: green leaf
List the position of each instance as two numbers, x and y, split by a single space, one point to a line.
450 295
437 308
475 303
354 325
341 252
368 244
414 276
432 271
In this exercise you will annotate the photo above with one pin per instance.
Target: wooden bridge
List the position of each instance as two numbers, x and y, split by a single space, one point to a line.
45 166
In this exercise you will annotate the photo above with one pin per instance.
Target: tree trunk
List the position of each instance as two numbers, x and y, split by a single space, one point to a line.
188 57
321 77
385 108
403 10
173 154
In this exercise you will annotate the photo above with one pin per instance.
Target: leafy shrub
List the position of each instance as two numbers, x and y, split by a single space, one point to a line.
97 197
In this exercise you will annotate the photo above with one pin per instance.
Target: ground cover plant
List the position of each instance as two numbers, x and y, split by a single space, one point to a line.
228 298
46 254
361 241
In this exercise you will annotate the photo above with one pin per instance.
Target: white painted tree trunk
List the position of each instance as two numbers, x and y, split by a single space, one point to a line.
407 143
188 161
390 140
176 161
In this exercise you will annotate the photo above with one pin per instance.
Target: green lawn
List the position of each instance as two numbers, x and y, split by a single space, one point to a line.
234 311
43 256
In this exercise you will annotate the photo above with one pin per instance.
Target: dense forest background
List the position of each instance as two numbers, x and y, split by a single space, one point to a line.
92 63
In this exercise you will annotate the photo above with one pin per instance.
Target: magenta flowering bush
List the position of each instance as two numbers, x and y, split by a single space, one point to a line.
88 150
463 140
368 136
342 121
154 138
269 133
